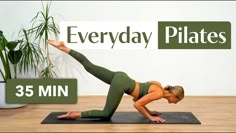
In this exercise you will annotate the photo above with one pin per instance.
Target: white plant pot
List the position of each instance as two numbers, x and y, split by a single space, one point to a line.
3 103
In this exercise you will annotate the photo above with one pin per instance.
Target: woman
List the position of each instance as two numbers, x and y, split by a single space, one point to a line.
120 83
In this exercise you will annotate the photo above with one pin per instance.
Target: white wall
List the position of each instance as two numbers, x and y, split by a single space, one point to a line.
201 72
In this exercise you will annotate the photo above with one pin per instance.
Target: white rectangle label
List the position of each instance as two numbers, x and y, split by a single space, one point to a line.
109 35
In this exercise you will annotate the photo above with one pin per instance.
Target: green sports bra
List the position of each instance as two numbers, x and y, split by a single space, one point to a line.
143 89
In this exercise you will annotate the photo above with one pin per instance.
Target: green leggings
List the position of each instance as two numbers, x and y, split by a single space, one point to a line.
120 83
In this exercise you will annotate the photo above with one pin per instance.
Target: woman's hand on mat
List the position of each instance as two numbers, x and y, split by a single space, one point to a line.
157 119
59 44
69 115
155 113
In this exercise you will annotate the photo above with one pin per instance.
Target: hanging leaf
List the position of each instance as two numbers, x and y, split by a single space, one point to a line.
14 56
44 26
2 44
32 54
3 41
12 45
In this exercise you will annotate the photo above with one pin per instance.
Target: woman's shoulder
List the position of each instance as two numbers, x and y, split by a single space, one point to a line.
155 87
155 83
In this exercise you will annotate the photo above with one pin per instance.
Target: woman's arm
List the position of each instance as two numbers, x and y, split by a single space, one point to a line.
140 105
150 112
147 110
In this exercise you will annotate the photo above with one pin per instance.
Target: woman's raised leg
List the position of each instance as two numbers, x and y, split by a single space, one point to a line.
100 72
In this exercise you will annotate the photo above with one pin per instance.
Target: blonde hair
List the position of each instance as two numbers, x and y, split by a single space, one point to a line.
177 90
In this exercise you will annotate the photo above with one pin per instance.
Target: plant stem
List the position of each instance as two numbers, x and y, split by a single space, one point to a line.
15 71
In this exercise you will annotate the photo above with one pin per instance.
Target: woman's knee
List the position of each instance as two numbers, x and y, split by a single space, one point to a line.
119 75
108 114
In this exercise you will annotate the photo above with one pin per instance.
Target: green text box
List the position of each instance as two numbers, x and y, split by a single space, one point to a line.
52 91
194 35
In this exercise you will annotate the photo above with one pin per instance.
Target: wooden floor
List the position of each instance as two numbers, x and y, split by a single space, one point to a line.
217 114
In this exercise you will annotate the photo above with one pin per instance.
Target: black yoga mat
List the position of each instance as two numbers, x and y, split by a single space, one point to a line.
126 118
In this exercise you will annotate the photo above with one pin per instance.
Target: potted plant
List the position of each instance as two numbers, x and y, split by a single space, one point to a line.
8 54
44 26
25 55
16 55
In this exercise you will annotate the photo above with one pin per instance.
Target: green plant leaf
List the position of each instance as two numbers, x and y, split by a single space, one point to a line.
31 53
3 76
12 45
4 59
43 26
1 33
48 72
3 42
14 56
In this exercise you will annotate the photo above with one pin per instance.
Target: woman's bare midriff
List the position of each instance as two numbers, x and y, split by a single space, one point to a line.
135 93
